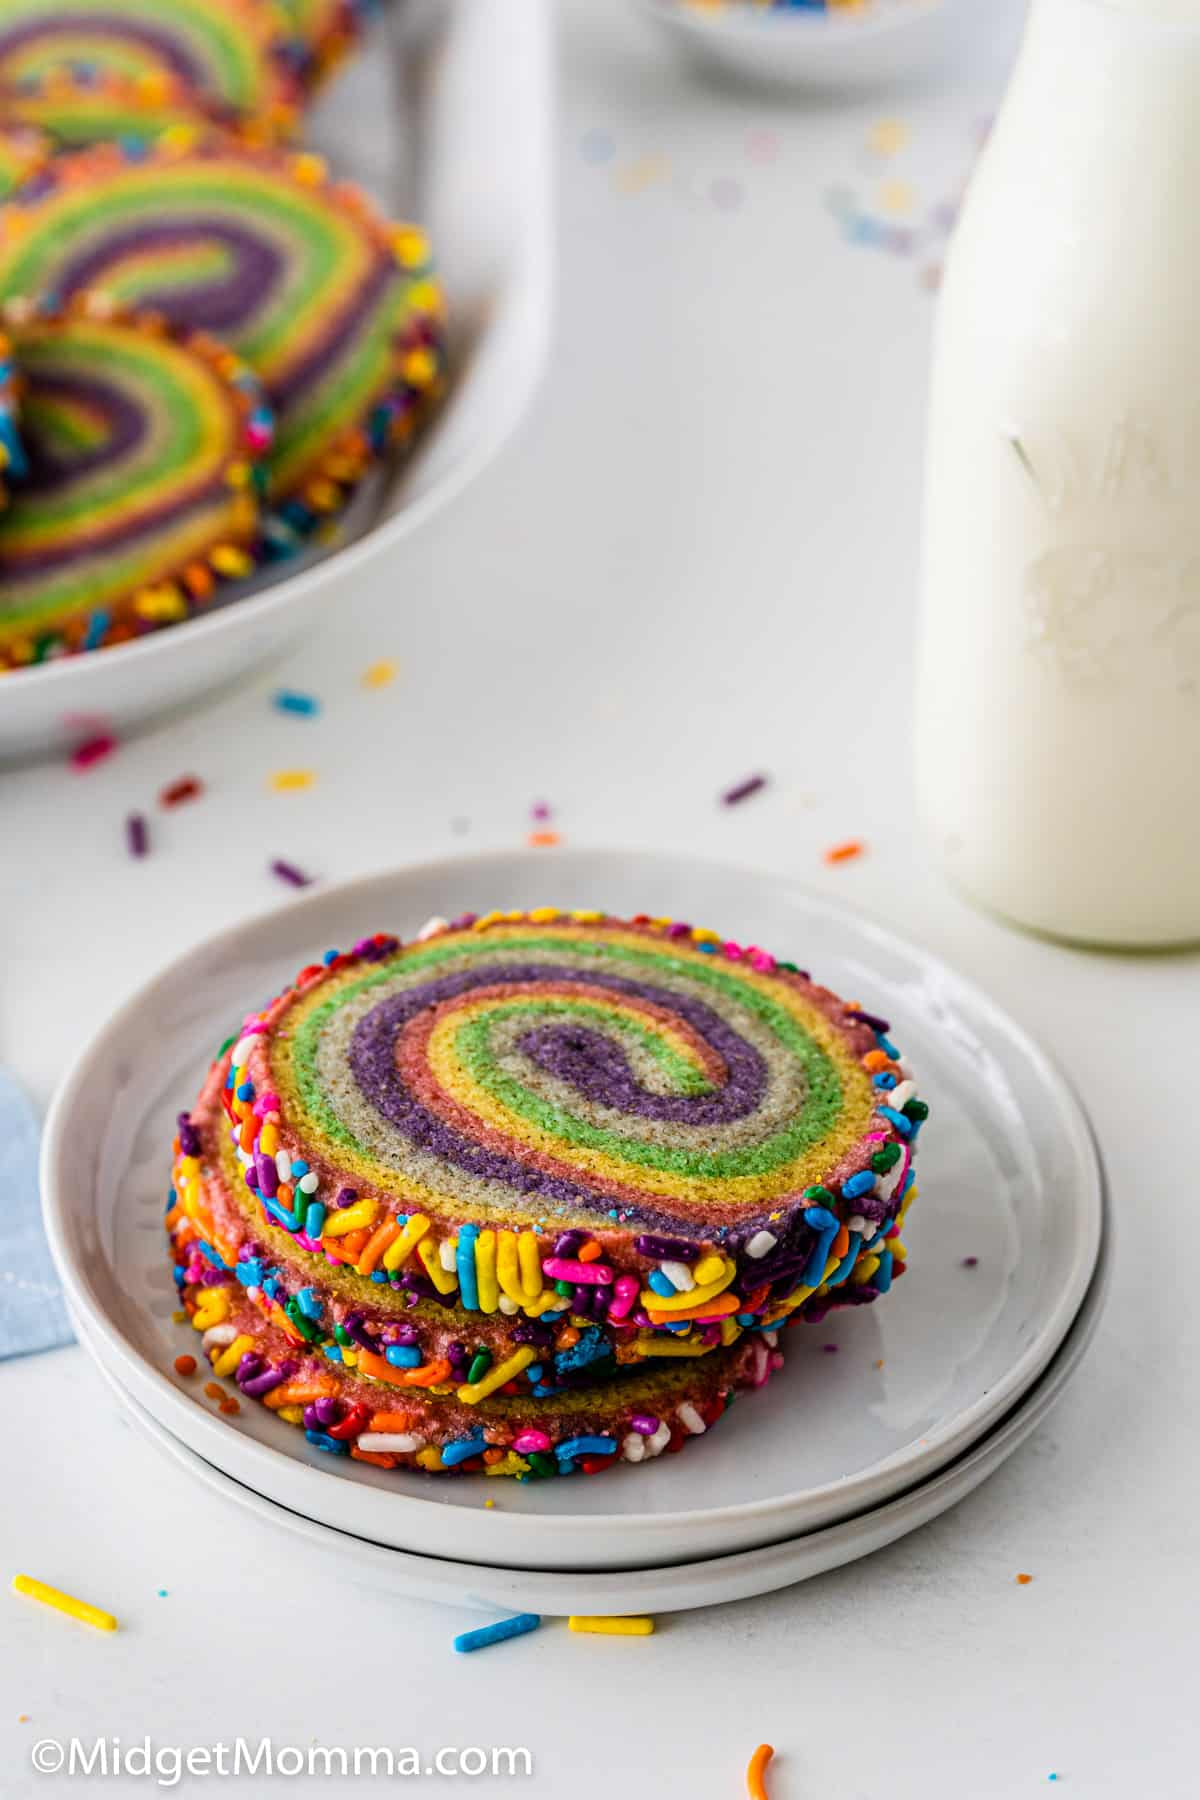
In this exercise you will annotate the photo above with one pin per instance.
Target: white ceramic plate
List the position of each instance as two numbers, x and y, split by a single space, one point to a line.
888 41
676 1587
1009 1175
447 119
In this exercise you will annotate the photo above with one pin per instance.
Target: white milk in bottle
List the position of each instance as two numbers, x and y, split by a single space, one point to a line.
1058 700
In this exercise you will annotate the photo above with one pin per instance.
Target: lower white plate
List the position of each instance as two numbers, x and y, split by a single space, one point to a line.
1009 1178
677 1587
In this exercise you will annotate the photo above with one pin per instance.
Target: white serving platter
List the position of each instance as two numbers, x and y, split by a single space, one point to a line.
676 1587
445 117
1009 1175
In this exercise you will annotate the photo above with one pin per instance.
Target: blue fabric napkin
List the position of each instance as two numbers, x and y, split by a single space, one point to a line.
32 1313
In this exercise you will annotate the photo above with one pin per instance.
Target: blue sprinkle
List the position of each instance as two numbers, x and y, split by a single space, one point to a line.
330 956
882 1278
310 1303
862 1183
707 949
745 1320
289 701
583 1446
814 1268
402 1357
484 1635
210 1255
464 1262
98 624
271 1286
245 1090
380 1275
250 1273
886 1080
535 1372
299 1168
903 1126
314 1219
332 1351
842 1272
660 1283
180 1274
324 1442
463 1449
888 1048
819 1218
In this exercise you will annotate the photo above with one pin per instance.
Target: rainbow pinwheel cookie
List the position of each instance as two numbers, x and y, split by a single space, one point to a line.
334 310
534 1150
137 496
72 64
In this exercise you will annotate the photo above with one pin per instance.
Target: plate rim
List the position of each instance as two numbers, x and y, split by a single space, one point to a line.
961 1476
972 1422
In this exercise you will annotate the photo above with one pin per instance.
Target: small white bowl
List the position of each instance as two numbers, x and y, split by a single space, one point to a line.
784 47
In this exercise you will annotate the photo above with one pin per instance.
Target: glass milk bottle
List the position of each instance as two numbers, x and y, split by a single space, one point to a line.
1058 700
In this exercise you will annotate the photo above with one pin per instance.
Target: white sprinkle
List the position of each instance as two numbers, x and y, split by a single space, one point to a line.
679 1275
761 1368
431 927
241 1051
659 1441
508 1305
446 1254
899 1096
385 1442
283 1165
760 1243
857 1223
217 1336
771 1338
690 1419
891 1181
633 1447
309 1183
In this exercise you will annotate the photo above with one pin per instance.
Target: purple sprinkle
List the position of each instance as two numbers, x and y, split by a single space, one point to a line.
645 1424
830 1349
270 1378
662 1249
213 1278
569 1242
137 834
288 872
743 790
328 1410
540 811
250 1366
345 1196
866 1018
970 1262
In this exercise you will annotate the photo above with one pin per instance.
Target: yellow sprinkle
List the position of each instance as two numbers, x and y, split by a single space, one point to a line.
411 247
887 136
430 1458
628 1627
648 1344
284 780
542 915
351 1218
308 169
238 474
512 1464
897 197
52 1596
399 1251
586 918
293 1414
707 1269
474 1391
444 1280
485 1272
380 674
227 559
231 1356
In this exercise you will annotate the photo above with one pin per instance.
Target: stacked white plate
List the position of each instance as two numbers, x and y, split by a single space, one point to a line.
884 1415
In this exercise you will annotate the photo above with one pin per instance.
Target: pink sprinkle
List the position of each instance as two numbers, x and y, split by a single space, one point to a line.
743 790
760 959
531 1441
93 750
288 872
625 1293
137 835
732 951
540 810
645 1424
591 1274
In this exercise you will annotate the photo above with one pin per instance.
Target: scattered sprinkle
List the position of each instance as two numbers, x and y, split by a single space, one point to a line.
185 1365
288 872
52 1596
597 146
93 750
380 674
897 197
488 1504
22 1718
496 1634
830 1349
283 780
879 1362
137 835
970 1262
188 787
846 852
1024 1580
543 840
214 1392
726 193
632 1626
289 700
179 1317
231 1404
762 145
162 1593
541 810
887 137
756 1772
636 176
752 785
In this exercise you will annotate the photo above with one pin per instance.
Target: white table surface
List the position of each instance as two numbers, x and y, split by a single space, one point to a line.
696 561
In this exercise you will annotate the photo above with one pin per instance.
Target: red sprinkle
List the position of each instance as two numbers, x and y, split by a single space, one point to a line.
93 750
188 787
185 1365
743 790
846 852
137 835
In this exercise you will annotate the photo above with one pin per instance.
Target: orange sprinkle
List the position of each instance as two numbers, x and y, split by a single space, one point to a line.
389 1421
378 1457
1024 1580
875 1061
846 852
377 1243
757 1770
590 1251
380 674
185 1365
841 1243
231 1404
543 840
213 1391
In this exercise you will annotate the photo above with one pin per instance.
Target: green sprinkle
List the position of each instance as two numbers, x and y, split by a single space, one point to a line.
481 1362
